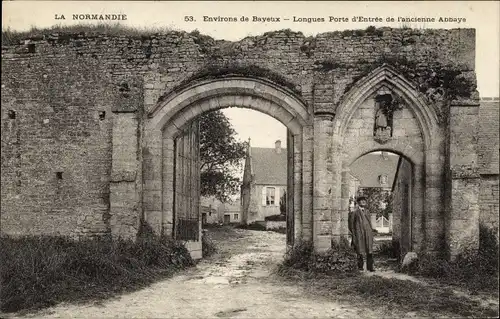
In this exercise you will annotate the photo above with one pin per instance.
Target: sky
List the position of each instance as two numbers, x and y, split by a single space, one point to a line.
262 129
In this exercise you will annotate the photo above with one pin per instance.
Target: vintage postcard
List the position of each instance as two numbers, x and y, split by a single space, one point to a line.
249 159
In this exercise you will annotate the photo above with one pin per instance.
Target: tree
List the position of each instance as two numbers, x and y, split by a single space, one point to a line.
220 155
375 197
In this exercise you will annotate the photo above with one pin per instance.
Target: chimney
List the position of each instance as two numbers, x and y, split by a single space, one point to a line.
277 146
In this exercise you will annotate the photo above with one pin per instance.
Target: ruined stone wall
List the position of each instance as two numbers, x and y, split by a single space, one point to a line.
56 145
488 147
56 153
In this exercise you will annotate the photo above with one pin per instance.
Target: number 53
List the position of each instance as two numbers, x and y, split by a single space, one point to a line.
188 18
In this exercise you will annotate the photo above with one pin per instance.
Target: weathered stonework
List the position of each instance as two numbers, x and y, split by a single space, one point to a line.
91 121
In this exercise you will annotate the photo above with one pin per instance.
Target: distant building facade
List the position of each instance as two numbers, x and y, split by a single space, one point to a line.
264 182
214 211
231 212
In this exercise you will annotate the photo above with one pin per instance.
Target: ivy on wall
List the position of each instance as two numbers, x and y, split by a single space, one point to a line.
435 81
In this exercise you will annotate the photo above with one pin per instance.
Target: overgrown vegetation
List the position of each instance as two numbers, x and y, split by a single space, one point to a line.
387 249
432 79
369 31
42 271
208 246
404 296
477 270
12 37
340 260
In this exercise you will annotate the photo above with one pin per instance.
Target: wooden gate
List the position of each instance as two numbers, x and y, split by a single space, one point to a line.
187 184
290 218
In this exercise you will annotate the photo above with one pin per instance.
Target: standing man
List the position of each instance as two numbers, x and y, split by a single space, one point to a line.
361 229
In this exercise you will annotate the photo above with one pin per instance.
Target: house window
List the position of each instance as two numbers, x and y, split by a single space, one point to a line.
270 196
383 180
236 216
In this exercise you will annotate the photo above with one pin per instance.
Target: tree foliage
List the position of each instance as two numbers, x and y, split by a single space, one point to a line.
376 199
221 155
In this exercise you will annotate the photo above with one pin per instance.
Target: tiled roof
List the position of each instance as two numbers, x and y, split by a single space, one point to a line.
369 167
269 166
488 142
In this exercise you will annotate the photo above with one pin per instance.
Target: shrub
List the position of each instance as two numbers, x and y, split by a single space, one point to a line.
276 218
387 249
42 271
252 226
339 260
474 269
208 247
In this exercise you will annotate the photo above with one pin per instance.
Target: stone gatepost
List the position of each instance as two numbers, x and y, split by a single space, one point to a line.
463 216
124 188
323 179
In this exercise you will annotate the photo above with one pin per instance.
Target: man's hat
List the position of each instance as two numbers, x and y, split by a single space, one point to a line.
360 198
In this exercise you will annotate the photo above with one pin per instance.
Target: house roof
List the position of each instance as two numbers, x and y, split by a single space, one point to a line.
488 142
233 207
269 166
369 167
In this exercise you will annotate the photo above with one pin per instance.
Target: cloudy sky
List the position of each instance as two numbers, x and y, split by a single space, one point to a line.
481 15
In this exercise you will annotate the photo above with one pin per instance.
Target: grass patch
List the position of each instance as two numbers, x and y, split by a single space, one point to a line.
42 271
334 275
475 270
394 297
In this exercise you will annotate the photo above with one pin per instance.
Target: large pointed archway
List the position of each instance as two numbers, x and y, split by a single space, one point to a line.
414 133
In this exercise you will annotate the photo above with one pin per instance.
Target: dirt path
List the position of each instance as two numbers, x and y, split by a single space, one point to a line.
237 283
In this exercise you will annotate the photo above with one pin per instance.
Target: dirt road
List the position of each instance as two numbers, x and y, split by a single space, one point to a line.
236 283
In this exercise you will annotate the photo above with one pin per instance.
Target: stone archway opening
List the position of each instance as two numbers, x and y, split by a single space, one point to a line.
265 180
171 152
387 180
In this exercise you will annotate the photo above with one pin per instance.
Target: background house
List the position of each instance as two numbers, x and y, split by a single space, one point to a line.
214 211
264 182
210 210
231 212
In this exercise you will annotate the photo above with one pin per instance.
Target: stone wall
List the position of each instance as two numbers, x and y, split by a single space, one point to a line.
74 108
488 201
488 146
56 144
